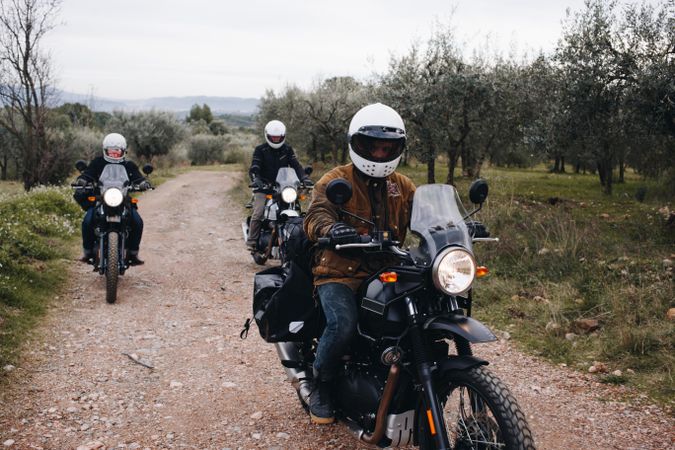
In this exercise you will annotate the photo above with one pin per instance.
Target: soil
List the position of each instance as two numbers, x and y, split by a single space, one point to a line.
83 382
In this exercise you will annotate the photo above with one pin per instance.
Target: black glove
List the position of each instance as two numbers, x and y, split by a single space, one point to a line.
144 185
259 183
81 182
307 182
341 233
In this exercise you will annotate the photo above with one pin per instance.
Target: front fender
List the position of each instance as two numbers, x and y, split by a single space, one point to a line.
466 327
465 362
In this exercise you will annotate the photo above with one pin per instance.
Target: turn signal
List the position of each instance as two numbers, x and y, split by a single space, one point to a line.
388 277
302 197
268 196
134 200
481 271
430 418
91 199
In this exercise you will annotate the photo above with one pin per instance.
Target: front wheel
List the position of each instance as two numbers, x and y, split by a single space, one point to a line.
479 413
112 267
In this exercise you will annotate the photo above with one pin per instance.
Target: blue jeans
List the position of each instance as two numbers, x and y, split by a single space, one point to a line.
339 307
135 233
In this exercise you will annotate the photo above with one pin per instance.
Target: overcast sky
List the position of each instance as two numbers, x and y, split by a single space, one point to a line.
129 49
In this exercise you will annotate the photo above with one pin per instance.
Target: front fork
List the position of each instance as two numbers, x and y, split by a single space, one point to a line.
434 412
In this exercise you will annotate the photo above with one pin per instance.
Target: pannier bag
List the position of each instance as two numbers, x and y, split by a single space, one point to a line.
283 305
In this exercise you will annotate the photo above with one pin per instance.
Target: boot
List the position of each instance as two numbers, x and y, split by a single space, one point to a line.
320 405
87 255
133 260
253 234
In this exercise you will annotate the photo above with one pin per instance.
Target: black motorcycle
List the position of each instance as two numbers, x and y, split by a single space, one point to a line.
400 384
282 217
111 198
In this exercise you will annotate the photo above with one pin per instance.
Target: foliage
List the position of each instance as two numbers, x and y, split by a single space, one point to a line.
34 228
148 134
207 149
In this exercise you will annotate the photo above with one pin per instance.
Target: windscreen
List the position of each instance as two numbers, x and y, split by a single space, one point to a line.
287 177
113 175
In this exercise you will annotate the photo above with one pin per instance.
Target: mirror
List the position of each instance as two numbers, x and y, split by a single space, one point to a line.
308 170
339 191
478 191
80 165
147 169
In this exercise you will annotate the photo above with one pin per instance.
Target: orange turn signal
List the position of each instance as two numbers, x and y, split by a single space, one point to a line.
302 197
268 196
481 271
388 277
91 199
134 200
430 418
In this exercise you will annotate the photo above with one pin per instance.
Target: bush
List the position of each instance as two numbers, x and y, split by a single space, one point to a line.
207 149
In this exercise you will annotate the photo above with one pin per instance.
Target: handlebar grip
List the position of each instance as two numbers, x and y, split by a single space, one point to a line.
324 241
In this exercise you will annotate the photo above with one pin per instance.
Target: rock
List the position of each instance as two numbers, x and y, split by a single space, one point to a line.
540 299
175 384
586 325
94 445
671 314
85 427
598 367
8 368
8 443
630 371
667 263
552 327
505 335
256 435
543 251
283 435
229 384
604 216
257 415
617 373
571 336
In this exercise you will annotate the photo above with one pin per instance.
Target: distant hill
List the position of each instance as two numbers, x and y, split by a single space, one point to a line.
180 105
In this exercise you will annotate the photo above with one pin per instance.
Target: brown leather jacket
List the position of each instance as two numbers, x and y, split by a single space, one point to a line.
351 267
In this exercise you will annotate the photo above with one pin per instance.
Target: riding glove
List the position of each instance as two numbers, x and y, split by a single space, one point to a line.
341 233
307 182
258 183
144 186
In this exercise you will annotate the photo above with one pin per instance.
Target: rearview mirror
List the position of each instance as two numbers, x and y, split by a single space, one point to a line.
478 191
147 169
308 170
339 191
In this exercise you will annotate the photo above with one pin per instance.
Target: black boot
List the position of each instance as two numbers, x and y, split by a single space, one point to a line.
320 405
133 260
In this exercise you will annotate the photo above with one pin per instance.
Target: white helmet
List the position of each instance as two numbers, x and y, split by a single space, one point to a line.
114 148
275 133
376 140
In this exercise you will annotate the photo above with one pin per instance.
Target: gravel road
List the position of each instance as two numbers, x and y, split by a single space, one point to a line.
182 312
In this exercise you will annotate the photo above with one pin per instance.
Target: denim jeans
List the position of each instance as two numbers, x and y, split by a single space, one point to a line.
339 307
135 233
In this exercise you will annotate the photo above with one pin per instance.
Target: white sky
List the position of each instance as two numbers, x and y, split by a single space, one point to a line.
129 49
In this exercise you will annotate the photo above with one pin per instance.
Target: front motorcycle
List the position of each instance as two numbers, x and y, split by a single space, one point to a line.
110 197
281 218
401 384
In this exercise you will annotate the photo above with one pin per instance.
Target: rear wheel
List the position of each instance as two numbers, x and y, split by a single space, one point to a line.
479 413
112 268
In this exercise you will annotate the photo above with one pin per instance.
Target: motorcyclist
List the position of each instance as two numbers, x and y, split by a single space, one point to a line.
268 158
114 151
376 141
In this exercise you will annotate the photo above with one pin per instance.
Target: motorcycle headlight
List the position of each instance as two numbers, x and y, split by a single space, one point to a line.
454 270
289 194
113 197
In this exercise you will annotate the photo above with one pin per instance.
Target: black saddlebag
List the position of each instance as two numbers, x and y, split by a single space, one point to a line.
283 305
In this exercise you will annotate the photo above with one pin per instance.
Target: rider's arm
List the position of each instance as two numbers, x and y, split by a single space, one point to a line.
256 163
322 214
133 173
94 169
295 164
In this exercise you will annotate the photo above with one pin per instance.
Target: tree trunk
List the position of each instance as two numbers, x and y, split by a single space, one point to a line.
343 156
3 167
452 163
431 170
622 170
562 164
334 153
556 164
601 173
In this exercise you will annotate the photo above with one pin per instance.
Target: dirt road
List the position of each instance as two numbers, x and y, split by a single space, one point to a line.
182 312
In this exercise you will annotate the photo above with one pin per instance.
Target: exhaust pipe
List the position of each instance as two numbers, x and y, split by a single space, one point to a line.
289 355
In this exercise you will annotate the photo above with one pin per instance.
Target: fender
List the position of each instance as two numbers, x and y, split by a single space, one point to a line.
465 362
466 327
289 213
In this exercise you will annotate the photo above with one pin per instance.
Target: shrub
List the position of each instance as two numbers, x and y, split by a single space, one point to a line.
207 149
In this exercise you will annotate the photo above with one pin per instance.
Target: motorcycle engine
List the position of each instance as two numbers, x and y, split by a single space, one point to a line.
358 394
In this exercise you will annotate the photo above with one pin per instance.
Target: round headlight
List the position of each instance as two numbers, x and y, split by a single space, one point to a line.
113 197
289 194
454 270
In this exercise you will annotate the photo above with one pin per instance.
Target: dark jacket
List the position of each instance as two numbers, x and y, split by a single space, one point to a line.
386 202
95 167
267 161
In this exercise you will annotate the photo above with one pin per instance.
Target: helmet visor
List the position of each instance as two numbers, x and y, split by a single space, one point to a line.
276 139
378 149
114 152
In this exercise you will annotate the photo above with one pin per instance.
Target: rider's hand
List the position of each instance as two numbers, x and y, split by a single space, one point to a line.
259 183
81 182
307 182
341 233
144 185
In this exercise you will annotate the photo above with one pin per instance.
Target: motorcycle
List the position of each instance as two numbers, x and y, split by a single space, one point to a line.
281 218
400 384
112 202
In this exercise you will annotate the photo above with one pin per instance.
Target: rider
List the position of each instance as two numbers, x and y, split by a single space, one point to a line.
114 150
376 141
268 158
